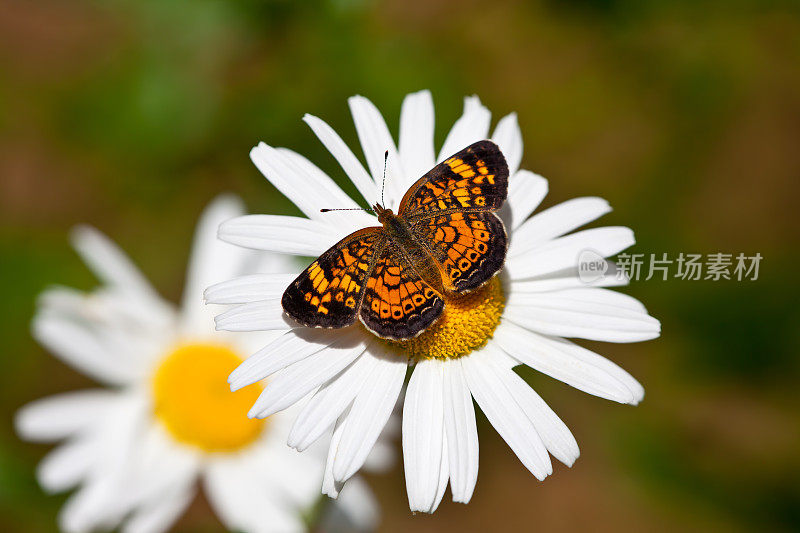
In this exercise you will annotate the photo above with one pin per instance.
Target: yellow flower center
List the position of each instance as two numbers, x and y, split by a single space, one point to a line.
192 399
466 324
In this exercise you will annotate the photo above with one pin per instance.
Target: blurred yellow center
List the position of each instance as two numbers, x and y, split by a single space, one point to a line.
466 324
192 399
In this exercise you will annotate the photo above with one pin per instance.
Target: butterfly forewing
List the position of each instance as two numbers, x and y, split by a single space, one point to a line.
474 179
398 304
329 292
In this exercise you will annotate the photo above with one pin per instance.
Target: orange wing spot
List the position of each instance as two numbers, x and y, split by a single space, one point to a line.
394 296
385 309
482 168
465 240
339 297
348 259
307 296
478 224
468 173
323 285
481 235
315 301
480 201
436 190
460 168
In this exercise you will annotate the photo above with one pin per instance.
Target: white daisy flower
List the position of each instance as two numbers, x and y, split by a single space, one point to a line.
521 317
166 422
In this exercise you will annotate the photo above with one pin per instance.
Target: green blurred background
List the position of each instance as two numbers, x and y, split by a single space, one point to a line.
132 114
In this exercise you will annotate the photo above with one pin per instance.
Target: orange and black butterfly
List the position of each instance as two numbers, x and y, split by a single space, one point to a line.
445 239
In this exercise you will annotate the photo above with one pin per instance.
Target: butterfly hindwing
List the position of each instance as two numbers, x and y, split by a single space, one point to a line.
398 304
474 179
469 247
328 293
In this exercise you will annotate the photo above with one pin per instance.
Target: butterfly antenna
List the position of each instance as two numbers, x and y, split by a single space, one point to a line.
346 209
383 186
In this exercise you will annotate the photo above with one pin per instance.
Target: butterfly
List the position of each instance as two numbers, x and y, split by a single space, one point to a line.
445 240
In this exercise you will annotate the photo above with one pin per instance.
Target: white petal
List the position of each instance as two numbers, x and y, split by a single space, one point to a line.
67 465
375 139
508 137
329 402
472 126
569 279
307 187
423 429
80 346
280 234
291 384
485 380
583 313
349 163
211 261
109 262
557 221
416 136
554 433
369 413
159 515
563 252
243 503
596 296
461 432
247 289
526 191
328 193
330 486
266 315
282 352
444 474
83 511
570 363
62 415
292 180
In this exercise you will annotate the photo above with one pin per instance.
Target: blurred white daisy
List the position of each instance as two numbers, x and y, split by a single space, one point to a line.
522 317
167 420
